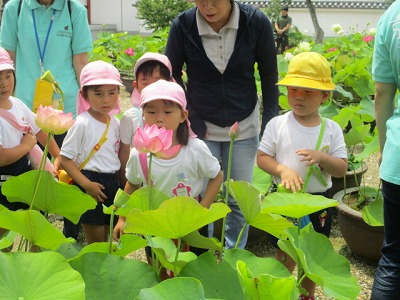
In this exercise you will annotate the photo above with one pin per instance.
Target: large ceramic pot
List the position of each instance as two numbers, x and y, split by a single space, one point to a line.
338 183
128 83
364 241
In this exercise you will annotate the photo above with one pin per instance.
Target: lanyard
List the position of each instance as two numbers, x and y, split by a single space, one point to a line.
41 54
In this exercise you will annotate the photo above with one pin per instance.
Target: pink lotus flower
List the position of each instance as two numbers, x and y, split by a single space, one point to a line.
130 51
332 49
234 131
368 38
154 140
52 120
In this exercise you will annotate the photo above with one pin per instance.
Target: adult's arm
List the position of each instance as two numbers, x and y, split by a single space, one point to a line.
384 106
79 61
267 68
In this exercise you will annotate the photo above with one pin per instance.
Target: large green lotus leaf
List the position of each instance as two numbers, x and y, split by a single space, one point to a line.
34 227
328 269
140 199
175 218
368 150
7 239
165 250
174 289
261 180
257 265
372 213
357 133
195 239
52 197
109 276
220 280
127 244
271 223
295 205
247 197
266 286
44 275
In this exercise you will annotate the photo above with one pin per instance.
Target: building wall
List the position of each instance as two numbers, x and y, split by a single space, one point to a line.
350 19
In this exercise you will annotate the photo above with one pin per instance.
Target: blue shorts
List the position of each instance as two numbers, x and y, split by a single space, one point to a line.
111 183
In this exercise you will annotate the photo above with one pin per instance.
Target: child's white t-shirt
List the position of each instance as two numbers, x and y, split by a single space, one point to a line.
182 175
84 135
10 136
283 135
128 125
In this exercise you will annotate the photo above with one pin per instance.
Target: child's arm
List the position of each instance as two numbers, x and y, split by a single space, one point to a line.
213 187
119 227
123 156
92 188
54 150
289 178
11 155
334 166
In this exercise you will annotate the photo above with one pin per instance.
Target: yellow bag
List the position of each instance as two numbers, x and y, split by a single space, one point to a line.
43 94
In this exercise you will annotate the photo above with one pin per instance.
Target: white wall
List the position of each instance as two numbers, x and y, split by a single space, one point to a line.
347 18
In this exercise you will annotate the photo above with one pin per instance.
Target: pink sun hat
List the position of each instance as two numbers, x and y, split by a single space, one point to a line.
5 60
98 73
148 56
166 90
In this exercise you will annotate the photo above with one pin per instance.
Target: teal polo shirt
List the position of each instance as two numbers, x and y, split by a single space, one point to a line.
65 40
386 69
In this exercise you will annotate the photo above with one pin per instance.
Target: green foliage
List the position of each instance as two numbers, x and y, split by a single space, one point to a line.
114 48
158 14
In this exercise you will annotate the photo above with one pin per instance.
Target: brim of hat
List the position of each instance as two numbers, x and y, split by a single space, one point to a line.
159 97
6 67
102 81
307 84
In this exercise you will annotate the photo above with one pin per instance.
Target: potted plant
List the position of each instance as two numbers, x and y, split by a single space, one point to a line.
123 50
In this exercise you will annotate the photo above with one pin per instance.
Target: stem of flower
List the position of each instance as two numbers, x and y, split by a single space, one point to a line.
240 235
110 234
178 247
228 178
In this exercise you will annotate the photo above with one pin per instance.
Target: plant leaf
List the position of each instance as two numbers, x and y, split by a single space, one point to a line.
44 275
247 197
175 218
52 197
111 277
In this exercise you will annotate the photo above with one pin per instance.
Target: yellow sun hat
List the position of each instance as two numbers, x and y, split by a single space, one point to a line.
309 70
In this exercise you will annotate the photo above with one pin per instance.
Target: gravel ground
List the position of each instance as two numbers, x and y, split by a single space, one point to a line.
362 271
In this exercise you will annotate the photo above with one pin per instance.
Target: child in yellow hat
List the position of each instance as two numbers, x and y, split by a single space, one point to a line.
288 146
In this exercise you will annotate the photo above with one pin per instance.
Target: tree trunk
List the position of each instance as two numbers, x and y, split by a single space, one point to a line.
319 33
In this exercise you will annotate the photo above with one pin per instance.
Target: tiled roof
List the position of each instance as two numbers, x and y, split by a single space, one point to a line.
327 4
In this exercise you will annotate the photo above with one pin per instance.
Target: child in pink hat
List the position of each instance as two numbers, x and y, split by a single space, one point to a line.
95 174
14 143
149 68
164 104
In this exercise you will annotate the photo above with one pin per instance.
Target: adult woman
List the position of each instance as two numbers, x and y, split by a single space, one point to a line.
220 41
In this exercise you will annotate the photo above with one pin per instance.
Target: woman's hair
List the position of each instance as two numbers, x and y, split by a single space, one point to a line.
182 132
86 88
148 68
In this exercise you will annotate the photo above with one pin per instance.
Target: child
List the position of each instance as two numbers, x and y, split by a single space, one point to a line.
164 104
287 147
149 68
97 100
14 144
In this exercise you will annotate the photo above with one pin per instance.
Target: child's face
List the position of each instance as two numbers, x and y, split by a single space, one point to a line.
305 102
7 82
142 81
164 113
102 98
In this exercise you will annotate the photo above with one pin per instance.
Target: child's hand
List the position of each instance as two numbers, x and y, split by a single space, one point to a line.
119 228
29 140
94 189
311 156
291 180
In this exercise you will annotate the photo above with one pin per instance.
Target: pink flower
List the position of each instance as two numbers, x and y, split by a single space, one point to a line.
52 120
368 38
234 131
157 141
332 49
130 51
